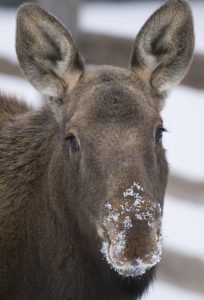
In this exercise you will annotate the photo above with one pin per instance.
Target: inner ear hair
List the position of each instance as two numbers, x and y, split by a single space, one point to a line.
46 51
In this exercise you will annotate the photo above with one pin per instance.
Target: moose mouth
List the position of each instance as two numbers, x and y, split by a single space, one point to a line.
136 267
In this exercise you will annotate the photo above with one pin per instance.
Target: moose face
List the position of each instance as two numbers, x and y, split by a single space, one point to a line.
115 139
113 160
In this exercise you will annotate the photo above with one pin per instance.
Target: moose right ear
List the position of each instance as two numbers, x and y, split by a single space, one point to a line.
46 51
163 48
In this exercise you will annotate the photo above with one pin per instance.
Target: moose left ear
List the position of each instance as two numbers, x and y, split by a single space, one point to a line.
46 51
163 48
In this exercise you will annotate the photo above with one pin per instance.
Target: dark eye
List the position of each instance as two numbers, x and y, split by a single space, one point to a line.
73 143
159 135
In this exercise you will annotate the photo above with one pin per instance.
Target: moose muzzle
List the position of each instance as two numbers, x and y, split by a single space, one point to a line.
130 229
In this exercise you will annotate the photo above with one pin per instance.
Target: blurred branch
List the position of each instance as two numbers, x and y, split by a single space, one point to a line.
184 271
195 76
102 49
186 189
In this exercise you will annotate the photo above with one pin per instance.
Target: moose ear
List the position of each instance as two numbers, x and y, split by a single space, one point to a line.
163 48
46 51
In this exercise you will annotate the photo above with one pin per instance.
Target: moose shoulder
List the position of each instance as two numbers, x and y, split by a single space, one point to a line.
82 179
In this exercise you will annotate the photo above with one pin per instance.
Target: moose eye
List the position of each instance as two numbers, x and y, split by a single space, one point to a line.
159 135
73 143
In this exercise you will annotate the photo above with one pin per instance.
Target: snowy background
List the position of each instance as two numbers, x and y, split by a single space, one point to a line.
183 117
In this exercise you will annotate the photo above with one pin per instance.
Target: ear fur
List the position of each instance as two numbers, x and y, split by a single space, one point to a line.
46 51
163 48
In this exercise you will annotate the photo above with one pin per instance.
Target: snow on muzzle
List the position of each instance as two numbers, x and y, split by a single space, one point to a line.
130 230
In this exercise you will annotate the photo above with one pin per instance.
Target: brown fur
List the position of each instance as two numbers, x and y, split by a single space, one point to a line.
53 199
11 108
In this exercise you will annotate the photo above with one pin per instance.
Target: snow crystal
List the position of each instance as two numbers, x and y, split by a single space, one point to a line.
108 205
114 216
120 240
138 201
116 248
127 223
130 191
120 243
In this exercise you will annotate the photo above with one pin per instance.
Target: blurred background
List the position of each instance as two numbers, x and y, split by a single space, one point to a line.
104 32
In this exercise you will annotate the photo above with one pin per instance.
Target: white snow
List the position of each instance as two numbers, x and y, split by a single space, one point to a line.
130 191
14 86
7 33
183 118
127 223
182 227
108 205
163 291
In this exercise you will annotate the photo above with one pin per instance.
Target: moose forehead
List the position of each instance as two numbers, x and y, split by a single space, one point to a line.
114 96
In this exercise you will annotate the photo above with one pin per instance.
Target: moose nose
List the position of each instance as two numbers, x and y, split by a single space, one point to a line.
140 241
133 251
132 229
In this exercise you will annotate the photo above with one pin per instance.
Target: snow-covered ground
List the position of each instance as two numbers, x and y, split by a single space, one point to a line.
22 89
163 291
183 117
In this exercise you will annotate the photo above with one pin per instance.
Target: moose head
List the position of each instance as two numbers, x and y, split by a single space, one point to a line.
109 169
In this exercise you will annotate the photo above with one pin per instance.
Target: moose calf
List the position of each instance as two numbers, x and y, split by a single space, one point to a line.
82 179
